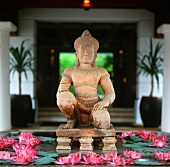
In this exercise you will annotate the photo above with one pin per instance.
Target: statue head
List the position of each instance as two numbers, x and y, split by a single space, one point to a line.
86 39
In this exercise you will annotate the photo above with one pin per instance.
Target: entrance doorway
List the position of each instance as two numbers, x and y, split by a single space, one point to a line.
55 38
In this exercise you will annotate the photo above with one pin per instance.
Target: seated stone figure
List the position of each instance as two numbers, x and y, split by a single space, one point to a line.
85 108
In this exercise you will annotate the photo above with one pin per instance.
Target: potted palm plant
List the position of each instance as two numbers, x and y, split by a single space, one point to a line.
21 61
151 64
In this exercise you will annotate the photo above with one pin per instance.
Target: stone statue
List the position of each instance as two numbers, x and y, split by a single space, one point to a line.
85 108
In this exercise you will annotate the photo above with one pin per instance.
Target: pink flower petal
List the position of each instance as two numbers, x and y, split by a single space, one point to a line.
5 155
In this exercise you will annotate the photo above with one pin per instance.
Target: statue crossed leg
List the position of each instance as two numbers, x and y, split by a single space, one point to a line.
81 114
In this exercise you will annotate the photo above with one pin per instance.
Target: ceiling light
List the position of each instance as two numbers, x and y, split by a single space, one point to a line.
86 4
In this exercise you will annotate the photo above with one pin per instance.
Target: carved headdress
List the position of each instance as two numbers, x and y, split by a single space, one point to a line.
86 38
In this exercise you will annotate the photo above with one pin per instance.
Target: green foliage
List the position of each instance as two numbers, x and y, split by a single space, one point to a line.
147 149
43 160
21 61
104 60
66 60
151 64
45 153
148 162
47 139
136 145
136 138
132 139
5 162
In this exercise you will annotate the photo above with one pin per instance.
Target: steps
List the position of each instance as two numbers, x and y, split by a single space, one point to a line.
118 115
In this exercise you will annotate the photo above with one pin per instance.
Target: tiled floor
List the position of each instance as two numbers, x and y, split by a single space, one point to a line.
38 127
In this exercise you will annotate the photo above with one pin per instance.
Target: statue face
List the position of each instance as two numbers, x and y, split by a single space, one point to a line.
86 53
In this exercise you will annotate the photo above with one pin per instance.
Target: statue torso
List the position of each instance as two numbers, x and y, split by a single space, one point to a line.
85 82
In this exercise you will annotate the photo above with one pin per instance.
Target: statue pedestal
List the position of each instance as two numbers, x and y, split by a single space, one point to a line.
86 136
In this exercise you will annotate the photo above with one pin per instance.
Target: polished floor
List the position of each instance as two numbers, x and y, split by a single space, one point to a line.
52 128
48 119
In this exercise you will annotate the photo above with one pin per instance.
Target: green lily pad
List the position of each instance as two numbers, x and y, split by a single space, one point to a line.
150 149
47 139
45 153
5 162
43 161
136 138
138 144
147 162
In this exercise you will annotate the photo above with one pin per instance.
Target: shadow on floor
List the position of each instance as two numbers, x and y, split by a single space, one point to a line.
114 124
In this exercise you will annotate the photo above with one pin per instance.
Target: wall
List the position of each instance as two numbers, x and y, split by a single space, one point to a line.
145 31
144 19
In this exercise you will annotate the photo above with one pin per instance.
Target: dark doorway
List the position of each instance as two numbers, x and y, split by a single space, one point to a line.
53 38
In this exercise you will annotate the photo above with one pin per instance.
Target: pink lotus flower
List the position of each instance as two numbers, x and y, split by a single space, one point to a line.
143 134
28 139
158 144
6 142
4 155
92 159
119 161
76 138
75 158
124 134
63 161
162 156
151 136
71 159
132 154
129 161
109 156
24 154
25 136
163 138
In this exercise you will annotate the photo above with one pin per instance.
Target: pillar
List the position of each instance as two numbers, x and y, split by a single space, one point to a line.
145 29
165 125
5 112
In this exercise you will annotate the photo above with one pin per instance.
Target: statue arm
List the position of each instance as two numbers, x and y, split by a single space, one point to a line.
107 87
109 93
65 82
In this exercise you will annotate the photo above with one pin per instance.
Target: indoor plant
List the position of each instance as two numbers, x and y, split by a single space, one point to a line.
151 64
21 61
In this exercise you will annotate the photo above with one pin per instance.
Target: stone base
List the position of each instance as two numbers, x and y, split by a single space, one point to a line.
85 136
63 143
109 143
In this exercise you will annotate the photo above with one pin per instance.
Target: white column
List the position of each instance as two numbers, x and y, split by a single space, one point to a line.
145 30
165 125
5 109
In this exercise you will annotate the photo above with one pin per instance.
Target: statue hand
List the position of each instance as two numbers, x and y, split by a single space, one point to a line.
101 105
66 99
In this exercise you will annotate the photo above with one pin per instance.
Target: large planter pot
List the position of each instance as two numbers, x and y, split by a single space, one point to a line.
150 110
21 110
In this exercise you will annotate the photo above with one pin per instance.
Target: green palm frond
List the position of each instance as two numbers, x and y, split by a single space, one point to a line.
151 64
21 61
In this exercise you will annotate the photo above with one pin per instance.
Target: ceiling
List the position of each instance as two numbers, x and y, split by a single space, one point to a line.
161 8
110 32
63 35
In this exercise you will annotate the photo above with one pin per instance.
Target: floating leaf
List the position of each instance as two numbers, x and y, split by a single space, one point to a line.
137 145
5 162
150 149
43 160
12 136
147 162
136 138
45 153
47 139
